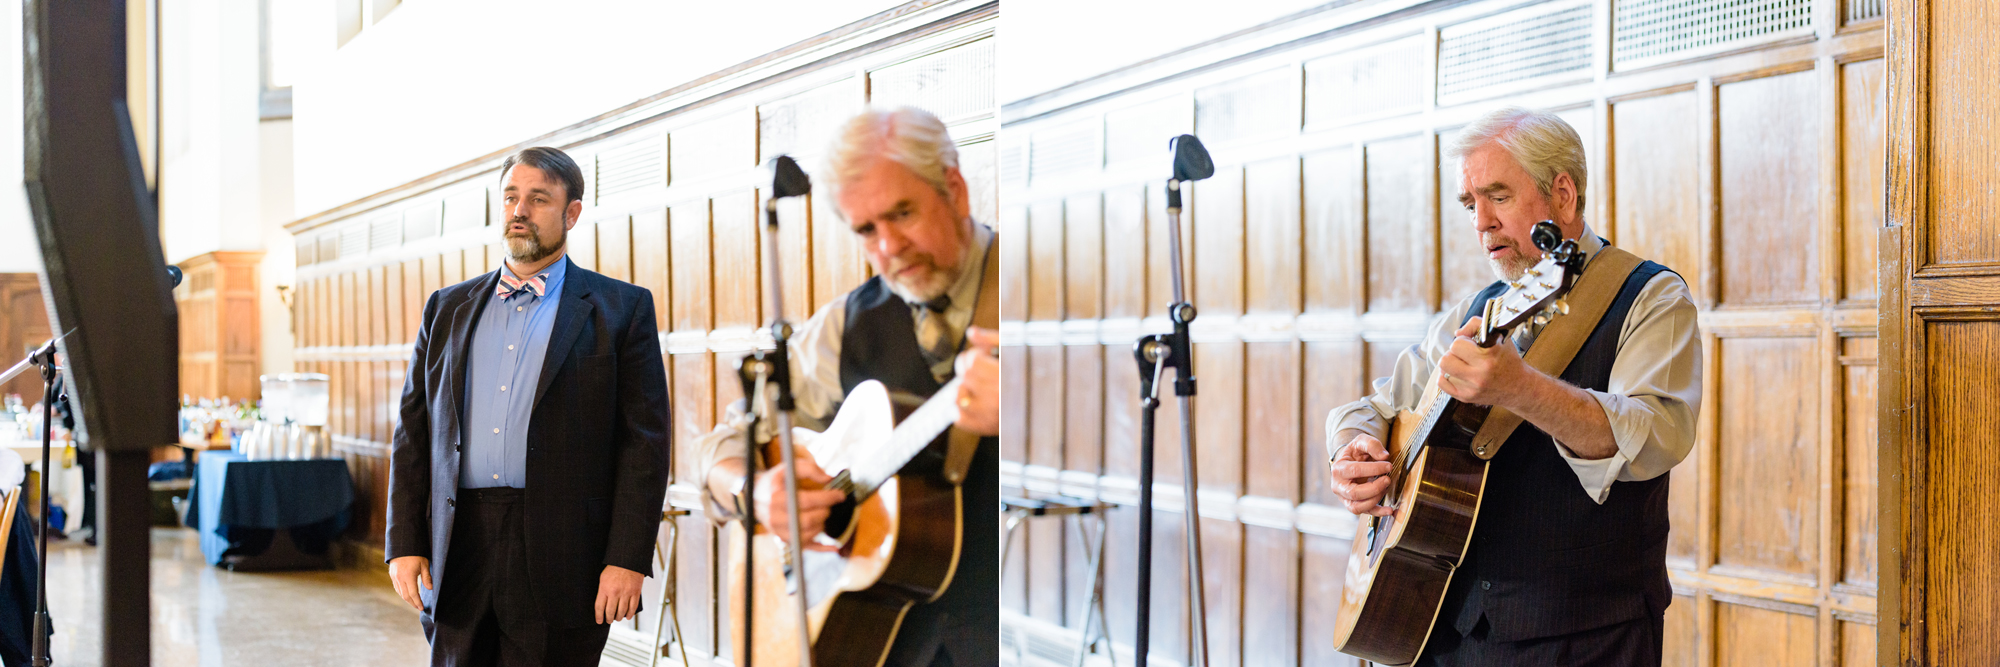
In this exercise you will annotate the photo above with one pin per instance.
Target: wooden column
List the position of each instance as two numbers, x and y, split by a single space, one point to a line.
219 325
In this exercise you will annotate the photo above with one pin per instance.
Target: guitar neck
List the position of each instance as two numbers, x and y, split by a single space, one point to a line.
911 436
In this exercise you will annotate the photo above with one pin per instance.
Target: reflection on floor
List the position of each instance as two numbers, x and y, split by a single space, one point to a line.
210 617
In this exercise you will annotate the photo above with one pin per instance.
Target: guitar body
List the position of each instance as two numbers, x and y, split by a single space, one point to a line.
899 548
1400 565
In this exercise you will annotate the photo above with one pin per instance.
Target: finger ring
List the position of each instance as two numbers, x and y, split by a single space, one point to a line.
965 401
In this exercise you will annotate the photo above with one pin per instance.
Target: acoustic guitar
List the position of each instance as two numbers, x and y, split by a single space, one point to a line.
898 534
1401 564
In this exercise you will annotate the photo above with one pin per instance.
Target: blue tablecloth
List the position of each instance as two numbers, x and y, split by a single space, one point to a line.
237 500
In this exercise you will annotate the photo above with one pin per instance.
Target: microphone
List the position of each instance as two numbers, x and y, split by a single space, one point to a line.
787 179
1191 161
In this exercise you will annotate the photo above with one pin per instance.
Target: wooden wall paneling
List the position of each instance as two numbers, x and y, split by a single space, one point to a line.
367 319
1463 269
1319 600
1124 260
1218 418
1657 183
1334 234
1962 582
1769 457
1046 237
415 297
1271 596
474 259
650 265
1863 105
690 259
1963 227
1083 257
1222 572
1333 377
1121 412
795 235
1083 411
838 262
1047 570
1215 279
699 551
614 247
1045 406
582 244
1084 365
24 324
1857 644
1272 227
1678 634
1159 277
395 310
1770 194
1014 570
1273 428
1859 553
1014 376
1402 242
739 272
1763 636
453 264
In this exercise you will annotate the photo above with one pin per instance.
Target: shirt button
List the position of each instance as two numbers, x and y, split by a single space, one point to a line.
503 387
496 477
1484 585
496 430
510 347
517 308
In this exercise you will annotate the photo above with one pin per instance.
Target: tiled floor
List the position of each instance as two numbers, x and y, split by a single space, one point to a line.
210 617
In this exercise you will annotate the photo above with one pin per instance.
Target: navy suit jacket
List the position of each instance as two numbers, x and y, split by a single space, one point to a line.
598 443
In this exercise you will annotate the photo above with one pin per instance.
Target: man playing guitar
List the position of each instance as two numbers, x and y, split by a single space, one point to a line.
1567 561
897 185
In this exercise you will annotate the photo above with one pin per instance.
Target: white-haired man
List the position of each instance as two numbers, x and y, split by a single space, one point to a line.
896 182
1567 563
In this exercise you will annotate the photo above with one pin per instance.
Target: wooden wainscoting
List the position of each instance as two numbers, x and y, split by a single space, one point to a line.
220 325
1941 338
1329 237
24 324
673 200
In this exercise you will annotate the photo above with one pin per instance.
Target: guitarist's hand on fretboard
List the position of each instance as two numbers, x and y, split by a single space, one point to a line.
1361 475
979 393
815 501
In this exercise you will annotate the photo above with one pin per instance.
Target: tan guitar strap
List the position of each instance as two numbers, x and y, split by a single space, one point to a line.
1559 342
985 315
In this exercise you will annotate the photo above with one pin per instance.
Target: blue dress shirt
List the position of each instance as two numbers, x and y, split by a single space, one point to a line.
508 347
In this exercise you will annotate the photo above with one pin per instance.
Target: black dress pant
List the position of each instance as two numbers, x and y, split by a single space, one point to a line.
486 614
1634 643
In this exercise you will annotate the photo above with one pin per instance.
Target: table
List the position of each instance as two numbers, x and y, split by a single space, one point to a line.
269 515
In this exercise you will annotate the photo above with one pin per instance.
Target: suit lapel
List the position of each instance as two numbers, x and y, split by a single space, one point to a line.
464 320
571 315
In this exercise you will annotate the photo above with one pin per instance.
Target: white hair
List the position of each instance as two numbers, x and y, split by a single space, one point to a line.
1540 142
907 136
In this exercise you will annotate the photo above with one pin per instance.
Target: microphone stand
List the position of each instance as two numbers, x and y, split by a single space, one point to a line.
770 370
1155 353
46 358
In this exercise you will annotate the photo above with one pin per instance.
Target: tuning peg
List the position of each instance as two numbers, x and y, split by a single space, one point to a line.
1562 306
1535 273
1513 286
1542 319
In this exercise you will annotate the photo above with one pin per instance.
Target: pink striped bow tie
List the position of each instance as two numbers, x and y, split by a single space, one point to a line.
510 286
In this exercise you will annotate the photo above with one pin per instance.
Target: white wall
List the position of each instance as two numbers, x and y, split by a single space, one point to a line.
1052 43
440 82
209 196
19 251
274 148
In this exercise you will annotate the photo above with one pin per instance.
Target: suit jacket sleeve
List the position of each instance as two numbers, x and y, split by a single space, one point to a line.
409 532
643 443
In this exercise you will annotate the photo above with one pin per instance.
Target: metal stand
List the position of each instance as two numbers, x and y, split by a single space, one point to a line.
1075 509
770 371
668 560
39 653
1156 353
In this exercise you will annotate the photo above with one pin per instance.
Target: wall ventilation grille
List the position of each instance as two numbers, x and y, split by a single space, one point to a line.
1863 10
639 166
353 241
945 83
1520 45
385 233
1653 31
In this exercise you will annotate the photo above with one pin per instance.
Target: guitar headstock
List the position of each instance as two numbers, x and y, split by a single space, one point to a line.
1538 296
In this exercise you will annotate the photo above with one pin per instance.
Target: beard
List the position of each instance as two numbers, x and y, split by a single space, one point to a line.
1512 265
528 247
931 281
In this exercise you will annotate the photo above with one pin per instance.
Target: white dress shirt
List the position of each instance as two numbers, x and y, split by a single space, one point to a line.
1651 400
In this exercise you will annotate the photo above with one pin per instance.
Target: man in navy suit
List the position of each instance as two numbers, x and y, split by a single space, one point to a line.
528 470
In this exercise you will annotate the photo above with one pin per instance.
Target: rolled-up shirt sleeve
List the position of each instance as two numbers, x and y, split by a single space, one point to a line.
1653 396
816 392
1401 390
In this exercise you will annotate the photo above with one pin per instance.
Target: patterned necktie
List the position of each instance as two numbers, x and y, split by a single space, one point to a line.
510 286
934 335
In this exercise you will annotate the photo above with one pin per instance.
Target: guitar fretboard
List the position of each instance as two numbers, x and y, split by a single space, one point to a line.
909 439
